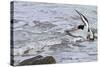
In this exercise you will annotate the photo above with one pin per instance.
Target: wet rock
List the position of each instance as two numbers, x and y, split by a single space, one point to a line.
38 60
45 60
29 61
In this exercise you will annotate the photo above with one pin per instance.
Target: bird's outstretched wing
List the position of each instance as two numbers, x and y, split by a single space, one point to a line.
68 33
83 18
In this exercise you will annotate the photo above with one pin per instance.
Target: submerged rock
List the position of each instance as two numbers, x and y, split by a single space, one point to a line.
38 60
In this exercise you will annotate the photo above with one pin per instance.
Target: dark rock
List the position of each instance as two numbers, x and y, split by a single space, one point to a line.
38 60
45 60
29 61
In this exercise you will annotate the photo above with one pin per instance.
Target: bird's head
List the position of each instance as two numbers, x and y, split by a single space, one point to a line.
81 27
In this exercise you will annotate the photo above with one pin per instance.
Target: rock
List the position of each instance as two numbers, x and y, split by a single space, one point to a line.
29 61
45 60
38 60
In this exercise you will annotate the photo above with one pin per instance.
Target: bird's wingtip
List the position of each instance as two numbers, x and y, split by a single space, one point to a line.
77 11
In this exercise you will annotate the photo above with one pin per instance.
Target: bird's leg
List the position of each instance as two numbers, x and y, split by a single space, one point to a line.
89 38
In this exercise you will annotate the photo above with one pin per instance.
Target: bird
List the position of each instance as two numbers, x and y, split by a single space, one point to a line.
90 34
82 28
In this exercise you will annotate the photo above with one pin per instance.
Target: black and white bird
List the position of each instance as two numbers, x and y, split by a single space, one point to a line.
82 28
